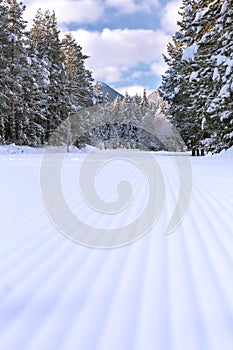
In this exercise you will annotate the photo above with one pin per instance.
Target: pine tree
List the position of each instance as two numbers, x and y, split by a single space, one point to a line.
193 85
144 102
47 46
127 98
35 96
57 94
98 94
176 82
79 78
4 72
220 106
15 53
137 99
107 98
201 87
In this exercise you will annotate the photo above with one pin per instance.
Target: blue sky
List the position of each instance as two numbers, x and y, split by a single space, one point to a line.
125 39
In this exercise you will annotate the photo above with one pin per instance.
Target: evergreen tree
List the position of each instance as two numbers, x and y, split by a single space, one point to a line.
194 84
201 87
4 72
79 78
137 99
57 94
98 94
47 46
127 98
144 102
106 98
35 96
16 55
219 113
176 82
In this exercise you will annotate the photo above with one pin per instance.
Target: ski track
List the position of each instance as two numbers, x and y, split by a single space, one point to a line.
168 292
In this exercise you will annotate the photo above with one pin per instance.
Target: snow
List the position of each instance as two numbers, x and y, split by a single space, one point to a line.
203 123
216 75
13 37
193 76
224 7
225 115
200 14
224 90
188 8
21 150
190 52
229 64
228 152
169 292
220 59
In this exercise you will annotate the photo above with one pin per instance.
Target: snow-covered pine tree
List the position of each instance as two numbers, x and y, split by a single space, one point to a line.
137 99
16 54
47 46
188 84
58 103
202 88
144 102
79 79
171 82
176 84
106 98
79 82
4 72
126 98
220 106
35 94
116 109
128 125
98 94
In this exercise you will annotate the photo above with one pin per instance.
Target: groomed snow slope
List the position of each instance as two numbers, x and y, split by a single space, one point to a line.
163 292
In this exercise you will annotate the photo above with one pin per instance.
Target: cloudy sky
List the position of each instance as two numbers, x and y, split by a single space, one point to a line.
125 39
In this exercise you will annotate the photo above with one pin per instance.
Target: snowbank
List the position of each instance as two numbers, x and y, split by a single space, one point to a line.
14 149
227 153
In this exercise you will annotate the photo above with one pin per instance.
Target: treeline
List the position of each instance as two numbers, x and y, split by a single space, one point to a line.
42 78
136 122
199 82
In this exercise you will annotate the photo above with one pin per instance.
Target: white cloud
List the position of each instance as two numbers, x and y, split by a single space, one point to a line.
87 11
133 89
159 68
108 74
68 11
114 52
170 16
137 74
115 55
132 6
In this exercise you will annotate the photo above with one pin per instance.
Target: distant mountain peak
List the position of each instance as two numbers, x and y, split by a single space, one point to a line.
106 89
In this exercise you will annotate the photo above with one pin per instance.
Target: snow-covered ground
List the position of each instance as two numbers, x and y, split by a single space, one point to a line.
163 292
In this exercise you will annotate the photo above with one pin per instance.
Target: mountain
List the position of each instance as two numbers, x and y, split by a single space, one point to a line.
106 89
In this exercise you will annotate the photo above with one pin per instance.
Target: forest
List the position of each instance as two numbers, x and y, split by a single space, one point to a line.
43 77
